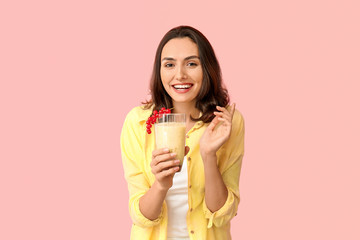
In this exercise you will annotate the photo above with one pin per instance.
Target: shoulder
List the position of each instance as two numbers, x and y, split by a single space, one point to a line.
134 124
138 114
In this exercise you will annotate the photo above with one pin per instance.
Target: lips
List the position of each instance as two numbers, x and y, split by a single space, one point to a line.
182 88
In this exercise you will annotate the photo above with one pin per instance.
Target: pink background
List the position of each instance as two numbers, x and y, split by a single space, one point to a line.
71 70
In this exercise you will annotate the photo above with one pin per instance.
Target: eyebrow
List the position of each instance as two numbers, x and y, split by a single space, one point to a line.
173 59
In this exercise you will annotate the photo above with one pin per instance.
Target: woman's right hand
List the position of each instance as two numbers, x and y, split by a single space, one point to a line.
164 166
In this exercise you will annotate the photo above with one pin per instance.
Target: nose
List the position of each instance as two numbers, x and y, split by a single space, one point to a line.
180 73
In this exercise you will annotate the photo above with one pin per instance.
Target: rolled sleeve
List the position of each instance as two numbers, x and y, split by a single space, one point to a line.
224 214
137 217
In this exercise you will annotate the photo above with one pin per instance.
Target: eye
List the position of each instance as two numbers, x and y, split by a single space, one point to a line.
192 64
168 65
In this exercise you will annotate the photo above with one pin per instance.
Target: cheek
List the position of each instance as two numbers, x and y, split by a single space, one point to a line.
199 77
164 77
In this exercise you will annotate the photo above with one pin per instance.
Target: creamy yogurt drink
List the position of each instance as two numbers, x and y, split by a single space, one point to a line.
170 130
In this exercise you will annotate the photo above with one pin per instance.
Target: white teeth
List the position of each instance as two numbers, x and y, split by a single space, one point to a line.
182 86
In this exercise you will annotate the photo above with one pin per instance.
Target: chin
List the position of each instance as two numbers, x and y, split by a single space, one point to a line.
181 100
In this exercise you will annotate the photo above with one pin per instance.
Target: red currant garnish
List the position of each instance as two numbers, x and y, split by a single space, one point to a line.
152 119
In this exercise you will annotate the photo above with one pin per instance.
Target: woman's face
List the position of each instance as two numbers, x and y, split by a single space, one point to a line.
181 72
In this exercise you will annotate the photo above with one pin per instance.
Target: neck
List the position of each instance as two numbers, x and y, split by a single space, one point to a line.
187 108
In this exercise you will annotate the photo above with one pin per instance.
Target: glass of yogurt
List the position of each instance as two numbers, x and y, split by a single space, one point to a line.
170 133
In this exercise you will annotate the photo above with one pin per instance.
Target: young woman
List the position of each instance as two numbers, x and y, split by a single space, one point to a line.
199 201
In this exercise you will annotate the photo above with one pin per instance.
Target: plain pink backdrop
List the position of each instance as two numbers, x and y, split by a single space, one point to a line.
71 70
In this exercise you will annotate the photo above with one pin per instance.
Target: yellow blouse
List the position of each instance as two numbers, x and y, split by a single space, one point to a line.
136 151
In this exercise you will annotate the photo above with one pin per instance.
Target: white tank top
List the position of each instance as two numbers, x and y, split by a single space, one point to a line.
177 205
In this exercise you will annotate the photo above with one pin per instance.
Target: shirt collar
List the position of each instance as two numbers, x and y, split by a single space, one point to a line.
145 114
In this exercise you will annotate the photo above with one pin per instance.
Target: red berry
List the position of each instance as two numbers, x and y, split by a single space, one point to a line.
148 131
148 126
155 112
168 111
148 121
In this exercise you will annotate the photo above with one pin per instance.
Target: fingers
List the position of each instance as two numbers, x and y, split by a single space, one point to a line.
224 110
213 123
159 151
225 114
161 158
232 109
165 166
168 172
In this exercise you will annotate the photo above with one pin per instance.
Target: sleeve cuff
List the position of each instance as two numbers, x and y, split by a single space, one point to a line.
222 215
139 219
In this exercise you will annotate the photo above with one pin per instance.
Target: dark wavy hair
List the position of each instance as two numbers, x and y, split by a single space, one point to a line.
212 93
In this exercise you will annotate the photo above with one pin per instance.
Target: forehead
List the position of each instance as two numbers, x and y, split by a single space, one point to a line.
180 48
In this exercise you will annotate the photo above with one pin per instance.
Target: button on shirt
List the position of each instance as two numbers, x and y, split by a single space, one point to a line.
136 151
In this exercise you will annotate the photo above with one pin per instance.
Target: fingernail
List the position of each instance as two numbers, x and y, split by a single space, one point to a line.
173 154
177 161
166 150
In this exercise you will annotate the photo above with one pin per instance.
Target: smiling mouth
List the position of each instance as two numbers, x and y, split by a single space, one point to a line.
182 88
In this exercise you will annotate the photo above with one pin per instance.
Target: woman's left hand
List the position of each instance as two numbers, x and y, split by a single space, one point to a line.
218 131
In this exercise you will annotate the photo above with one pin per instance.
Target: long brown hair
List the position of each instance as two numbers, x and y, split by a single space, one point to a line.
212 93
